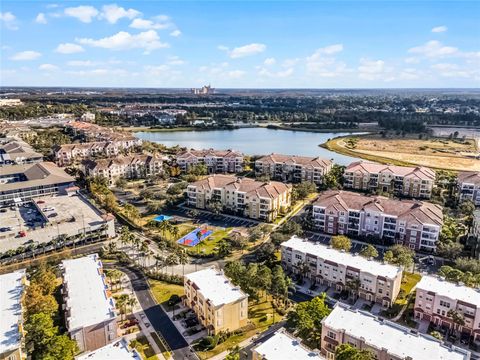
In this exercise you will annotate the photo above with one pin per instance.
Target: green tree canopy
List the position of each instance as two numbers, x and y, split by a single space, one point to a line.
341 242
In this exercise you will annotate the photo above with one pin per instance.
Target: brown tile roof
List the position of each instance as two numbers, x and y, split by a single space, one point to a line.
364 167
209 152
469 177
295 160
103 164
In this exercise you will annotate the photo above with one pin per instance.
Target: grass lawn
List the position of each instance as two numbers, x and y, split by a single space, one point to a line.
408 282
145 350
162 290
208 245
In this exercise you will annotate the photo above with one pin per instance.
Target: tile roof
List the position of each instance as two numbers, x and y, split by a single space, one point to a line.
295 160
209 152
420 172
469 177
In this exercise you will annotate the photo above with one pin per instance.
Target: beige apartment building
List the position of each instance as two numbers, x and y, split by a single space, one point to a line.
437 299
378 282
218 304
90 313
16 152
292 168
241 196
387 340
216 161
468 185
413 223
414 182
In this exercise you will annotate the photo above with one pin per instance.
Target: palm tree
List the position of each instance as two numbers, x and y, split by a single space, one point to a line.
132 301
174 231
159 260
183 260
121 304
171 260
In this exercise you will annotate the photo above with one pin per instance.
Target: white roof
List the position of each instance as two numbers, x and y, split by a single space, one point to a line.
215 286
11 289
345 258
87 297
397 339
283 346
451 290
117 350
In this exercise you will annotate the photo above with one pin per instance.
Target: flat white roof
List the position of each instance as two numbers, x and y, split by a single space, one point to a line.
215 286
87 292
397 339
451 290
11 289
283 346
117 350
344 258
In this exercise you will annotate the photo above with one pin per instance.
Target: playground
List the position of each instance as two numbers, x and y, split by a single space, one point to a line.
195 237
161 218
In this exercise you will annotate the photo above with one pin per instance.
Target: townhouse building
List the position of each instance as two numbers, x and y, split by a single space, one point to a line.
387 340
128 167
414 182
218 304
374 281
89 308
12 289
413 223
438 300
241 196
14 151
89 132
468 186
292 168
118 350
216 161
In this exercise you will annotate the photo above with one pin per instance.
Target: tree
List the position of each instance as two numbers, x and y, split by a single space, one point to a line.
399 255
457 318
334 178
290 228
60 347
369 251
348 352
341 242
36 301
224 248
280 284
302 190
437 335
450 250
40 330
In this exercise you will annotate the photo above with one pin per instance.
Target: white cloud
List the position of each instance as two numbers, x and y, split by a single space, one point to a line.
235 74
452 71
26 55
275 74
373 70
176 33
81 63
290 62
48 67
157 70
324 64
84 13
439 29
434 49
148 24
175 60
412 60
148 40
269 61
9 20
112 13
69 48
41 18
243 51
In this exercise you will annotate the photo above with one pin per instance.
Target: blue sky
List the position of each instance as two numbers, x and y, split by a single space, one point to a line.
249 44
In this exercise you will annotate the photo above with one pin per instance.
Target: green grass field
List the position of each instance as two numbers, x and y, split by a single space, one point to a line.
162 291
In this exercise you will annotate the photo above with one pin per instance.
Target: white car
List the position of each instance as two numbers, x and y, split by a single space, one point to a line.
48 209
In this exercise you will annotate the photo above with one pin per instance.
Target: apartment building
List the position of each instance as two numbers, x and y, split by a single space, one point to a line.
89 132
241 196
218 304
118 350
216 161
385 339
401 180
475 234
437 299
413 223
468 185
283 345
19 183
89 308
129 167
292 168
12 287
14 151
376 281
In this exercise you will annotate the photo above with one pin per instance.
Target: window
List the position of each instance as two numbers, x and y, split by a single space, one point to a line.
444 304
332 335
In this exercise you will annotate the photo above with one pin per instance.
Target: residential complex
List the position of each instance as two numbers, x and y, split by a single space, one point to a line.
437 299
129 167
241 196
413 223
475 233
89 132
219 305
387 340
12 287
118 350
293 168
284 346
14 151
376 281
89 308
469 186
19 183
400 180
216 161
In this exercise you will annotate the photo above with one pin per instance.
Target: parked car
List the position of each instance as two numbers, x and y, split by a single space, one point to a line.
40 202
45 209
3 210
22 233
6 228
52 215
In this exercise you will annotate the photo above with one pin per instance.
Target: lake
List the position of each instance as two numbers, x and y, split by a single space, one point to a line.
253 141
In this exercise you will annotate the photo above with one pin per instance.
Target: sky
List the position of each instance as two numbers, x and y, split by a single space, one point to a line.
241 44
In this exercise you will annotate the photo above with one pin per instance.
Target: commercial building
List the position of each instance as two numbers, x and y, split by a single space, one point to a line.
374 281
12 287
437 300
89 308
118 350
468 184
20 183
241 196
216 161
387 340
219 305
413 223
400 180
292 168
14 151
284 346
128 167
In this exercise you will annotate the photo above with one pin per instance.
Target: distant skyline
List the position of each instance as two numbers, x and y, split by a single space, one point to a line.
241 44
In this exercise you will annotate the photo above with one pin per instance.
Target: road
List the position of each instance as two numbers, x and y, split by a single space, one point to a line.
156 315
